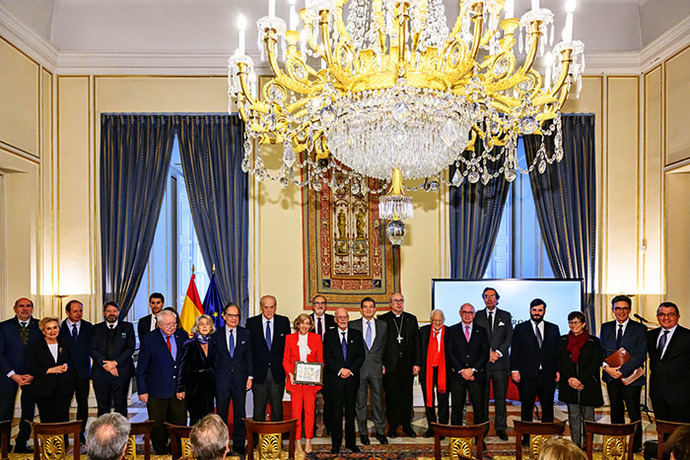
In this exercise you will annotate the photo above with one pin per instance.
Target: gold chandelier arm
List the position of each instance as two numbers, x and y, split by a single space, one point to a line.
242 75
342 30
532 53
458 23
325 37
403 18
478 20
565 68
270 52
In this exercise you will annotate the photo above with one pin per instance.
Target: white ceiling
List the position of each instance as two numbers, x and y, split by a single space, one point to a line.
208 26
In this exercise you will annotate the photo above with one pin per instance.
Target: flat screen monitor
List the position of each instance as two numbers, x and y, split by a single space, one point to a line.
561 297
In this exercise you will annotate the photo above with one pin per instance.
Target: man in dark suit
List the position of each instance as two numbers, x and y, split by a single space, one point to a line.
15 335
467 349
624 333
76 333
499 326
322 322
112 346
434 370
669 363
533 362
148 322
343 355
233 371
267 332
402 360
371 373
158 378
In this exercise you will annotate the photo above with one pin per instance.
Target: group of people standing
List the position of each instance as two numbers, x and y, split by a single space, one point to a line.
371 358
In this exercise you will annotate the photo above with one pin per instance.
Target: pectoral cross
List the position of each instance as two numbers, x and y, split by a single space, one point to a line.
400 339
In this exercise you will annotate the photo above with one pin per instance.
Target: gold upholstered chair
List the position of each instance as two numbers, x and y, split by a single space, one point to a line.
49 440
270 435
663 430
538 434
180 447
139 428
463 439
617 443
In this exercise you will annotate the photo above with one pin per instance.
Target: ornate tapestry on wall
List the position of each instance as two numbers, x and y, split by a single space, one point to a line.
346 253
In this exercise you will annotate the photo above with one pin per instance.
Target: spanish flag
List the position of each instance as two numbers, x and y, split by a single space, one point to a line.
192 306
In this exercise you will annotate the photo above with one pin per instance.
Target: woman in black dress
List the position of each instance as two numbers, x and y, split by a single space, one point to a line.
47 360
579 363
198 357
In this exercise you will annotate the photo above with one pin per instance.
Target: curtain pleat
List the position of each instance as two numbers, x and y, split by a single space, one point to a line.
475 217
211 154
135 155
565 198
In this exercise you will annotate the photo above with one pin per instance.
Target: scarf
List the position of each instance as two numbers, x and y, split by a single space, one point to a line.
202 339
575 343
432 356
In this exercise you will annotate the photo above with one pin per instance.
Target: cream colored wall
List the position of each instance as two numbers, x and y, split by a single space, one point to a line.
24 142
678 237
677 87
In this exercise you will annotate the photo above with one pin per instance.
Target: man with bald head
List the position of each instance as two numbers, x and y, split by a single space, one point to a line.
402 360
467 351
15 334
343 355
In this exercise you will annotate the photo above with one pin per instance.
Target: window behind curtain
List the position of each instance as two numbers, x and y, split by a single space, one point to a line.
175 248
519 251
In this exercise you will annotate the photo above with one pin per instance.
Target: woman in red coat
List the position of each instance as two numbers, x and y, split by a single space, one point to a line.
302 346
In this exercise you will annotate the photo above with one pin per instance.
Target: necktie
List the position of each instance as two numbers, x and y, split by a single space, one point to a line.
112 327
343 345
437 336
231 344
467 332
268 334
167 339
24 332
491 322
662 342
368 335
75 334
540 340
319 327
619 336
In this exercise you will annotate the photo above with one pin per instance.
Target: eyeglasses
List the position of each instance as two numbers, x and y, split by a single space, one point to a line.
398 300
621 308
489 296
467 313
319 303
667 315
575 322
232 315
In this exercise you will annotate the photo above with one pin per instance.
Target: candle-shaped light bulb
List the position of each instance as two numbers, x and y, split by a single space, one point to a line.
535 5
241 27
567 34
293 15
272 8
510 9
548 61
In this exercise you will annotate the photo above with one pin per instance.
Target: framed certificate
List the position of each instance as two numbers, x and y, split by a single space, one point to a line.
308 373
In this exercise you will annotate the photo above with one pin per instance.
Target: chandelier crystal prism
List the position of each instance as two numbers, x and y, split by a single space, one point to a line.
385 89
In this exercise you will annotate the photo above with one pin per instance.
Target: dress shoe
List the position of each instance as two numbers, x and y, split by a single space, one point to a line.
23 449
335 449
240 449
382 438
525 440
392 433
409 432
429 433
354 449
502 435
365 440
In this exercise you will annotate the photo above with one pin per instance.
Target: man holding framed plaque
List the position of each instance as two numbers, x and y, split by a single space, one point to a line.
303 364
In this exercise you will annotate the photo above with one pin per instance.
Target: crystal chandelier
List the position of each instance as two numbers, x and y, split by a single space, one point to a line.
384 89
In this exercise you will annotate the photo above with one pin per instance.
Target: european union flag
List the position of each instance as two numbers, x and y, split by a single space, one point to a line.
213 306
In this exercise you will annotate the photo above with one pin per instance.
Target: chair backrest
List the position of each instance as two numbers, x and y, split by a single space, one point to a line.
5 429
139 428
180 446
49 440
663 429
270 435
462 439
617 443
538 433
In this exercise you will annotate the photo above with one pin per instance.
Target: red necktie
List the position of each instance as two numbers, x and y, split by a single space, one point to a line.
467 332
167 339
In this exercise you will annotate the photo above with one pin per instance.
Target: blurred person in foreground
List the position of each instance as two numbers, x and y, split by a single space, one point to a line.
561 449
107 436
209 438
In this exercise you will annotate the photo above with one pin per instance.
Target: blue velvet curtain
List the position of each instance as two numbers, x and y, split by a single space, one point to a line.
211 153
475 217
135 155
565 198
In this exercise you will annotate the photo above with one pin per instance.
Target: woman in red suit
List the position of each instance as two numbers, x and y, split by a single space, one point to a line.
302 346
